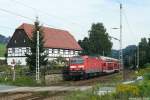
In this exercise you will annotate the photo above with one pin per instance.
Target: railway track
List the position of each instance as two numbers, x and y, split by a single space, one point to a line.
33 96
95 80
88 82
13 96
21 96
59 94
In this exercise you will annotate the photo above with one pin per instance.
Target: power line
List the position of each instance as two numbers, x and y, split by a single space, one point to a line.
48 14
16 14
127 21
39 10
118 1
6 27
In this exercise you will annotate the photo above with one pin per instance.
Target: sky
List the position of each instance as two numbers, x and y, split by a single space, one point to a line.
77 16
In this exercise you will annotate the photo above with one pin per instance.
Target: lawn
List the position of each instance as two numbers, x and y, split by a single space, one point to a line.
2 50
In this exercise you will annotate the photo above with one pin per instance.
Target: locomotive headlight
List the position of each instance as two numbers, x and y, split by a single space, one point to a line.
72 66
81 66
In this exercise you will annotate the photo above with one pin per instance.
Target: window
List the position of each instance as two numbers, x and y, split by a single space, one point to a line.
71 51
66 51
28 50
63 51
52 50
59 51
55 51
76 52
46 51
13 50
77 60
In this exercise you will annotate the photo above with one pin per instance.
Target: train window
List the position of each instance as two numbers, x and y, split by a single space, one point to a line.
76 61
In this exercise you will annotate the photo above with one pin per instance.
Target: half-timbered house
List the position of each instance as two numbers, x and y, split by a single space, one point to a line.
57 43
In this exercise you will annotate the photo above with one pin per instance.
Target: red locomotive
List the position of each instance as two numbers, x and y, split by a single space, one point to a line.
86 66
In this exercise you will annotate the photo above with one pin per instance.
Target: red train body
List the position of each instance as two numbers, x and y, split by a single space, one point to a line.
86 66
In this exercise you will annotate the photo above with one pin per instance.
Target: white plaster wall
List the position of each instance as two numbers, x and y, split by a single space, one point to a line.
17 60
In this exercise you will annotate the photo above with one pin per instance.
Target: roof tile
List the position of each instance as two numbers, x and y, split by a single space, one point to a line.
54 38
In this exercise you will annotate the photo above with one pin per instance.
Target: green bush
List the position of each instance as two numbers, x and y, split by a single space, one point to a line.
146 65
124 91
143 71
147 76
144 88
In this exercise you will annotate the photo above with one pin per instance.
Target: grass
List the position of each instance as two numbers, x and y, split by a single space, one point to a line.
2 50
21 78
123 91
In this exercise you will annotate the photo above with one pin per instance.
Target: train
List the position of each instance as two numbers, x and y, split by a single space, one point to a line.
84 67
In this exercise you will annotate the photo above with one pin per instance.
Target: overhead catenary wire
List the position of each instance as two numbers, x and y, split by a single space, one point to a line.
6 27
50 15
22 16
118 1
16 14
43 12
127 21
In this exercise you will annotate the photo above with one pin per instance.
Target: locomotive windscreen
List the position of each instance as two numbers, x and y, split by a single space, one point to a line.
76 60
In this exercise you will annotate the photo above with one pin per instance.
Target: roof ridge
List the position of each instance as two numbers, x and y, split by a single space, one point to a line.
22 25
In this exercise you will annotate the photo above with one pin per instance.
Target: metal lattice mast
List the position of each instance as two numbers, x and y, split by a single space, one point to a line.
37 57
121 51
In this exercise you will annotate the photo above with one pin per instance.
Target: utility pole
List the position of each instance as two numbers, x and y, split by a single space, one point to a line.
37 57
121 52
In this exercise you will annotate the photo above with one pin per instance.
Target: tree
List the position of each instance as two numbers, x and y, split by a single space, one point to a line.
98 42
148 52
85 45
129 56
143 47
31 57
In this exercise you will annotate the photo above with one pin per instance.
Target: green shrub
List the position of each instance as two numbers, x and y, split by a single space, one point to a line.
143 71
147 76
144 88
146 65
126 90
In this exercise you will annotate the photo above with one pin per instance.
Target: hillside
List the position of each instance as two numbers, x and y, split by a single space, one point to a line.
3 41
2 49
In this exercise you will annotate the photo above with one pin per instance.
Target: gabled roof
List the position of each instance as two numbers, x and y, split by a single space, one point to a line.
54 38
